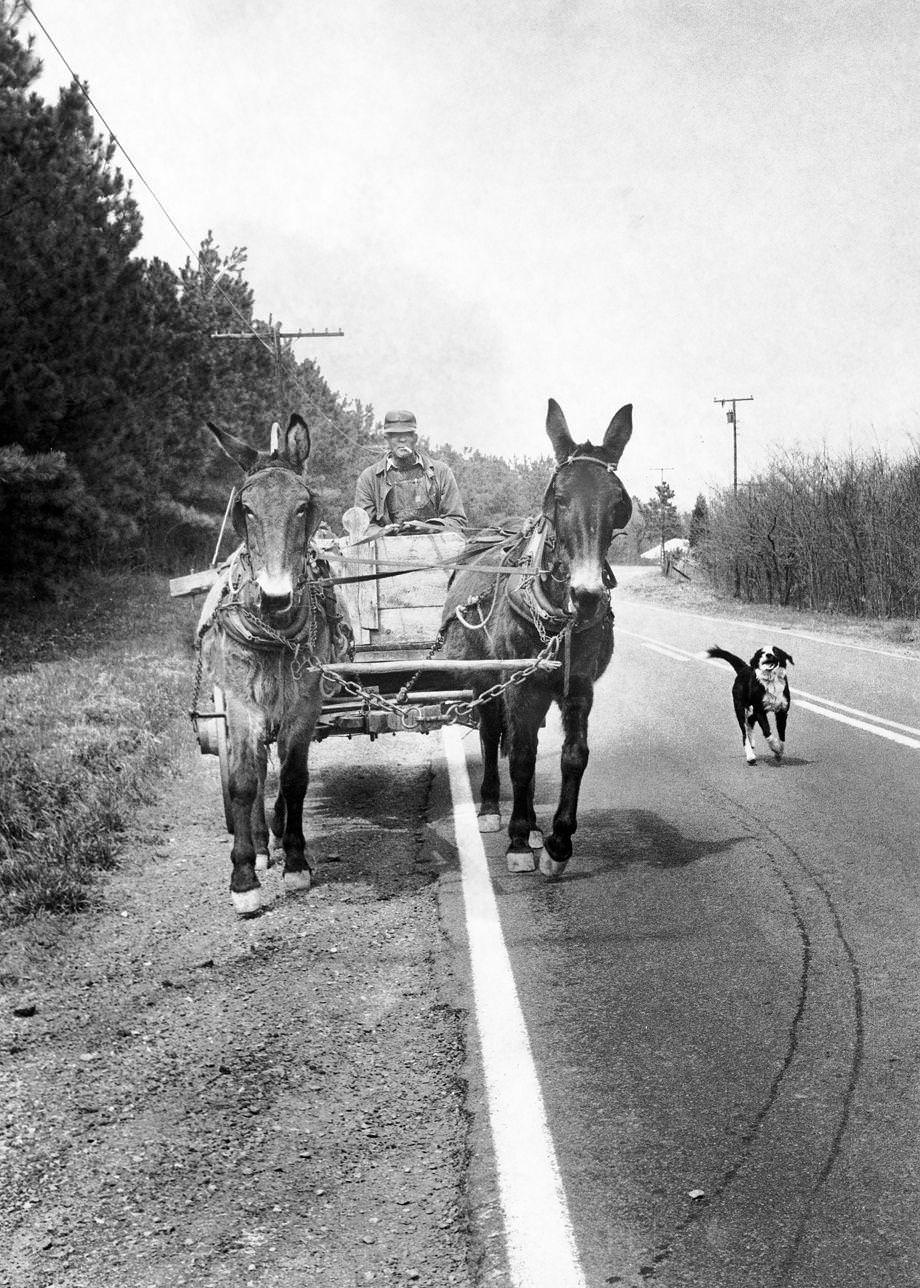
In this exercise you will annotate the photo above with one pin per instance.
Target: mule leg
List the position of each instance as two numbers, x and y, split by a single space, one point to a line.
244 785
576 707
490 732
526 709
294 750
535 838
259 825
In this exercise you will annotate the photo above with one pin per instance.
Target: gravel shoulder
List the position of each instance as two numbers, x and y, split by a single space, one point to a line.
897 634
196 1099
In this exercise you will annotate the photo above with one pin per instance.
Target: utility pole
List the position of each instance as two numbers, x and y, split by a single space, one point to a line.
662 470
273 341
732 418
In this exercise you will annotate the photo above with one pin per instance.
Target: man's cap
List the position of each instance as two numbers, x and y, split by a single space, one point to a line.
400 422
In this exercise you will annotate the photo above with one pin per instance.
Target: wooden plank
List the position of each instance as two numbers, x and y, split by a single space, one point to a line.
196 583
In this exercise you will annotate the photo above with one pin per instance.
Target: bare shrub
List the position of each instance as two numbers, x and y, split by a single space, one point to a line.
828 533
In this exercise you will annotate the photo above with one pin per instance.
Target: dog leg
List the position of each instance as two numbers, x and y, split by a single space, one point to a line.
749 753
780 745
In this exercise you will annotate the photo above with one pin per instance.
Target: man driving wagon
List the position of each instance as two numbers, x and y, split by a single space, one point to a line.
407 490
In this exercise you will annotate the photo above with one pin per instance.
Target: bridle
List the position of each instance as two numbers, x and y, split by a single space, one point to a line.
240 613
549 500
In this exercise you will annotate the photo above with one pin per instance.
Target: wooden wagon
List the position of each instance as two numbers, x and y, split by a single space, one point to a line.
393 589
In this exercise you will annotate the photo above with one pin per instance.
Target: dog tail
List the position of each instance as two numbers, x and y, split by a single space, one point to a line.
730 658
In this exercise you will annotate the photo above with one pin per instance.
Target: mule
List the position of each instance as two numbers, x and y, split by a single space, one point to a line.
554 597
265 623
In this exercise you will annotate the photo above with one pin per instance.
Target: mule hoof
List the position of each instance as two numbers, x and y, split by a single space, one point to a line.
535 840
490 822
549 866
263 862
248 903
297 882
520 861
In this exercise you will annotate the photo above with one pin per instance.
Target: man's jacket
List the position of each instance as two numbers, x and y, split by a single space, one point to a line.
374 487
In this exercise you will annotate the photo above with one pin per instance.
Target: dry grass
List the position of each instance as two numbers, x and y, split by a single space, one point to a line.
697 596
82 737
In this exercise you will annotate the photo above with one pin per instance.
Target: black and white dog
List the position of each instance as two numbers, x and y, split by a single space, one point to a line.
760 687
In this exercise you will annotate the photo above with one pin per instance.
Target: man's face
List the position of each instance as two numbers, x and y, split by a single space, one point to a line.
402 445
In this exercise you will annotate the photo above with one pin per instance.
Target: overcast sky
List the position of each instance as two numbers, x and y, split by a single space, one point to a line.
604 201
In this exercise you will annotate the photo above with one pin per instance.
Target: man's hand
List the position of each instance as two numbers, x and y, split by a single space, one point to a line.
419 525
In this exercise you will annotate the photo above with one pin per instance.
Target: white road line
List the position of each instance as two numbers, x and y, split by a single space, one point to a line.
784 630
855 711
657 646
541 1244
666 650
860 724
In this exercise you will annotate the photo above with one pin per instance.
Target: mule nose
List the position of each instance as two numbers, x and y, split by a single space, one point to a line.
274 605
276 594
586 601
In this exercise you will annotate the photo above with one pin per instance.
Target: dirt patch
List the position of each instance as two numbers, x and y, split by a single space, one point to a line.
193 1099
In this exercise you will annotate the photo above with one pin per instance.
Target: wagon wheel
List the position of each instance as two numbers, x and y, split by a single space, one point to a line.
223 755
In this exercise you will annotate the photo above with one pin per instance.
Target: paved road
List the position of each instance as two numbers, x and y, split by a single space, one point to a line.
722 993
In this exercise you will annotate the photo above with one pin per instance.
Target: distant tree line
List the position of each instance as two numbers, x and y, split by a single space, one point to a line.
819 532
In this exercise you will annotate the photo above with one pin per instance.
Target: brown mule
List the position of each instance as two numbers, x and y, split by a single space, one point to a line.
554 597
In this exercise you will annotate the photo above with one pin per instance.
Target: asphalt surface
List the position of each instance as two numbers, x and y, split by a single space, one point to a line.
721 993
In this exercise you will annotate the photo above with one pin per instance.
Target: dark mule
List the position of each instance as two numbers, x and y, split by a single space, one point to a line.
261 626
557 587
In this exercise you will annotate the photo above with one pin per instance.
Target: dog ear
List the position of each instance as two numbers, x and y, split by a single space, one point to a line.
785 658
755 660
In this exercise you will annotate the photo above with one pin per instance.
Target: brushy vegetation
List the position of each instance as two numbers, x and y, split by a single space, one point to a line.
83 737
833 534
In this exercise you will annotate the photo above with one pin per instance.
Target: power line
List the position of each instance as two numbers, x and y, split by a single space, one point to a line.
246 322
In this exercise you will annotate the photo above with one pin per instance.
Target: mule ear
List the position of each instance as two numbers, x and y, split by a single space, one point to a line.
619 432
558 431
297 442
244 455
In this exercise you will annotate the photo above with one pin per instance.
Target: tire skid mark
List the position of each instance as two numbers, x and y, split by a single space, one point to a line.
856 1061
665 1251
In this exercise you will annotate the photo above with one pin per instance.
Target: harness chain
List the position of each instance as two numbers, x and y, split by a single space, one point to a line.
456 711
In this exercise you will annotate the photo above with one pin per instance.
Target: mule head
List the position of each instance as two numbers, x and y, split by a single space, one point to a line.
586 503
274 512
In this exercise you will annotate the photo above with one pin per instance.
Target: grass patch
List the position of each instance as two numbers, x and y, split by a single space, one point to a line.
697 596
84 735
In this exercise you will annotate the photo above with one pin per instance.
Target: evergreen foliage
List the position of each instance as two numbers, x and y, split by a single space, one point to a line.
110 365
660 520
